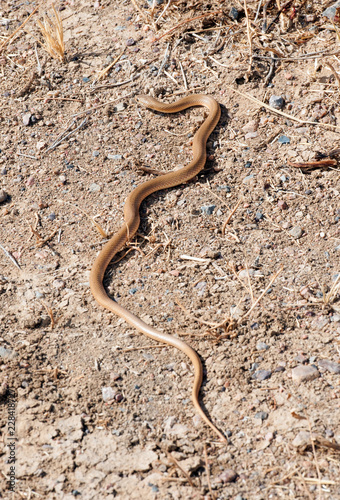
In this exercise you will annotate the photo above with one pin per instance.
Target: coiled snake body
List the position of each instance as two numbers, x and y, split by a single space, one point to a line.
132 219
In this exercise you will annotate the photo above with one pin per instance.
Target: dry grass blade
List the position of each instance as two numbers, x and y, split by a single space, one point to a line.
329 298
9 38
53 34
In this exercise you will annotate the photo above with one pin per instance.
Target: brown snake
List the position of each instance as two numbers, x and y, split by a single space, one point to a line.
132 219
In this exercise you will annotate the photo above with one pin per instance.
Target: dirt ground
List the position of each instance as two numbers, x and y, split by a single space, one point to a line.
242 262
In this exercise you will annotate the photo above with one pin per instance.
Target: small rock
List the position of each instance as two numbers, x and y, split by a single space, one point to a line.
251 135
58 284
108 393
261 415
249 179
114 157
95 154
227 476
208 210
262 346
300 358
7 353
302 440
245 273
130 42
3 196
250 126
304 373
26 119
120 107
94 188
330 366
283 140
41 145
331 11
30 181
282 204
234 14
262 375
296 232
276 102
51 216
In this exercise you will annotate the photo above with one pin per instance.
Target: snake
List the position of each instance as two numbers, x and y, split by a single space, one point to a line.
131 224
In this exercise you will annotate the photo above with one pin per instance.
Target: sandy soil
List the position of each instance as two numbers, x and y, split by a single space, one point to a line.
89 407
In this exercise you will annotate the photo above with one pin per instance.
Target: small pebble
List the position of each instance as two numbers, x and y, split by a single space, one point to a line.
283 140
7 353
250 126
94 188
262 375
296 232
300 358
261 415
330 12
41 145
330 366
276 102
51 216
120 107
251 135
227 476
26 119
234 13
303 373
30 181
262 346
114 157
130 42
282 204
3 196
249 179
58 284
108 393
208 210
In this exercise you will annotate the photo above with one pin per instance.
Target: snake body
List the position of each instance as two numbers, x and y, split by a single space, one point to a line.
132 219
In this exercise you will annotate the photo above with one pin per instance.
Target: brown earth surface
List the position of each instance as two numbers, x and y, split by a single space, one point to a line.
89 407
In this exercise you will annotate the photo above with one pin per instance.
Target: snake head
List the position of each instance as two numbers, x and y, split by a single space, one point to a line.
144 100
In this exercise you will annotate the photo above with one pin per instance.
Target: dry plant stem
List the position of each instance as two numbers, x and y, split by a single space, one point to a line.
66 136
8 39
213 497
186 22
147 19
129 349
262 294
184 472
163 12
226 222
249 39
336 75
311 55
107 69
310 165
11 258
281 113
314 453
